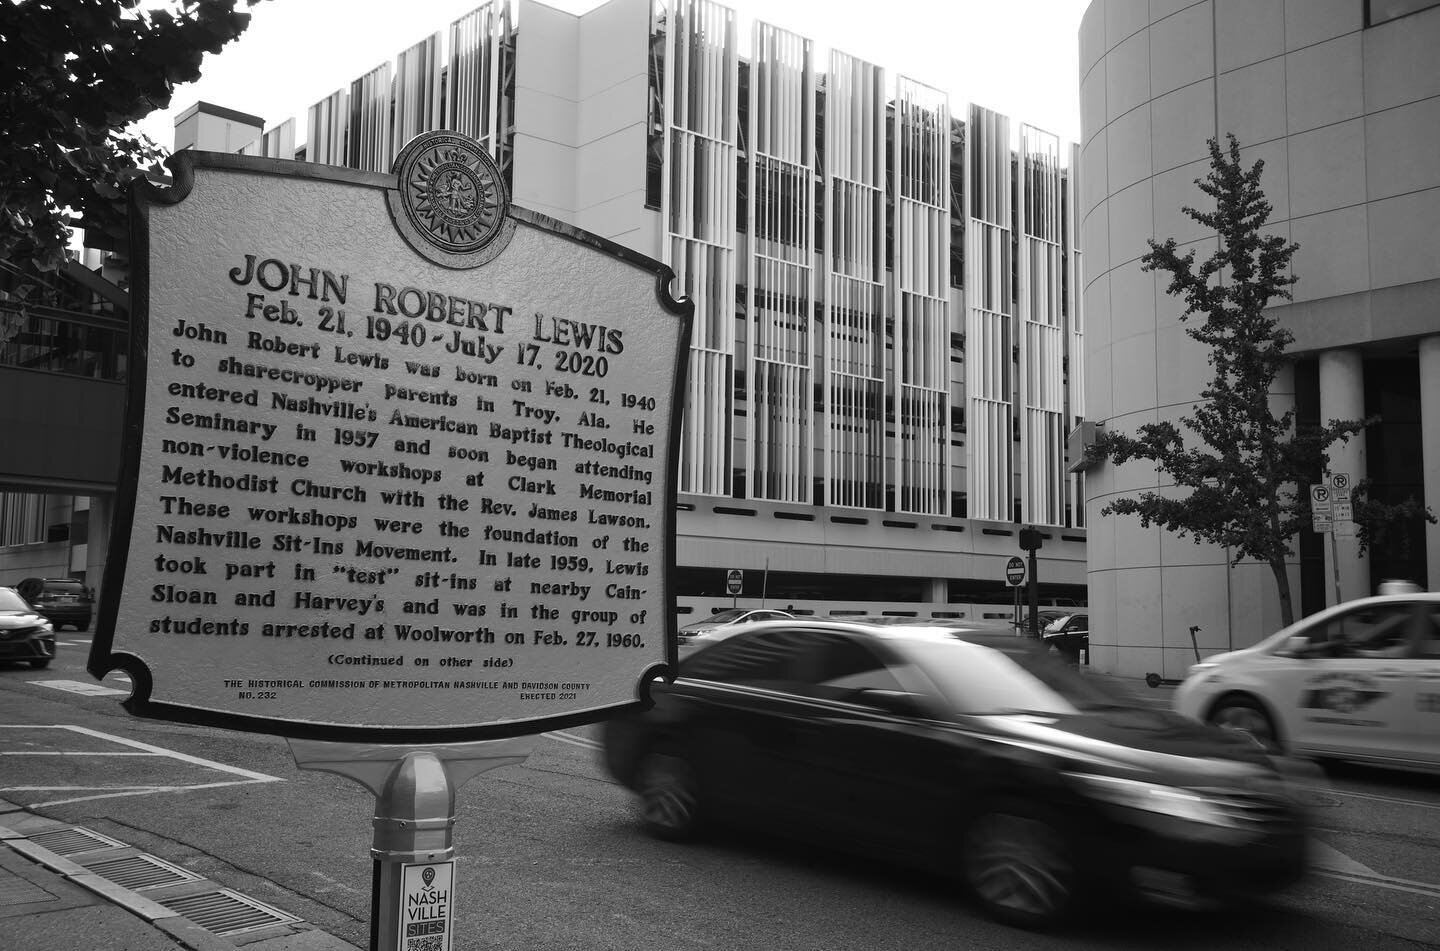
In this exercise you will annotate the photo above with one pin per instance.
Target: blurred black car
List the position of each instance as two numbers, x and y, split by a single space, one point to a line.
24 634
61 600
1069 634
972 753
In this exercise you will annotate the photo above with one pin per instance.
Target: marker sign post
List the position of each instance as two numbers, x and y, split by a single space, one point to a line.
399 471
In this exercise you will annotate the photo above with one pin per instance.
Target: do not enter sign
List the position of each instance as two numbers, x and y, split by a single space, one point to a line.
733 582
1015 571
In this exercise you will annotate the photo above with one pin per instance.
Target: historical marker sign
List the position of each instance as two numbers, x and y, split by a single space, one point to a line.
399 457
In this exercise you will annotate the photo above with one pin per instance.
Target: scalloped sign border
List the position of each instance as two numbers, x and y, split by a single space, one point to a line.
369 494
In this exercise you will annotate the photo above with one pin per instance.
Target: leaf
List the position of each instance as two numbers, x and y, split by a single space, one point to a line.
75 74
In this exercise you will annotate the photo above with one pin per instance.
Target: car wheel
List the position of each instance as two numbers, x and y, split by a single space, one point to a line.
83 627
40 663
1245 716
669 796
1019 867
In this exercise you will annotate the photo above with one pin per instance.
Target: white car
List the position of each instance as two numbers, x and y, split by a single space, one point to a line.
1359 681
732 617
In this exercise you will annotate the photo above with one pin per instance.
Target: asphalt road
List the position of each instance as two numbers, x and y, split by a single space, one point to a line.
550 856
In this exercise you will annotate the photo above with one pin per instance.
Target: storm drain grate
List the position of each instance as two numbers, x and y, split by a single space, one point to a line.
74 841
226 912
139 872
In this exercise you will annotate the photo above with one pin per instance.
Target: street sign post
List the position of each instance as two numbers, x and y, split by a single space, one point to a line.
1031 540
1335 518
1015 577
399 476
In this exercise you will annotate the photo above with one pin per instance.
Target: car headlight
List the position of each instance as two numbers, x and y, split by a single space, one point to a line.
1152 797
1203 668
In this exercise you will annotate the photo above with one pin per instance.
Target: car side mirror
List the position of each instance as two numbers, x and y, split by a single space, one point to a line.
892 701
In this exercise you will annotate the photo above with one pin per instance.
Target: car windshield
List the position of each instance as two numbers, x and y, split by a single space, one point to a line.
977 679
10 601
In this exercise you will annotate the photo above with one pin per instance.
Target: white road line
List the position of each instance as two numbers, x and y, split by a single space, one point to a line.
77 788
84 689
175 754
141 791
68 753
247 774
1398 802
1384 881
573 740
1327 858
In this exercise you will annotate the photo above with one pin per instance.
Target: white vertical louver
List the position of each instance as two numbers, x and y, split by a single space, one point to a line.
988 305
780 287
369 128
920 187
417 92
327 128
854 295
475 101
698 214
279 142
1042 343
1075 326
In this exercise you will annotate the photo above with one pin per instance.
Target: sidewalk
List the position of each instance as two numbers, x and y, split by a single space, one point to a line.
62 902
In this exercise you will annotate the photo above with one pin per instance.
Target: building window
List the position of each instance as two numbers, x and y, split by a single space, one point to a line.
23 518
1383 11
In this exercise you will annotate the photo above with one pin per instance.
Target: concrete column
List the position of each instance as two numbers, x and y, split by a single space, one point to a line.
1342 396
102 509
1430 450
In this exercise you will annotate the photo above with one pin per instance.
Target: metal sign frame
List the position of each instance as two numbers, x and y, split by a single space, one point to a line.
104 659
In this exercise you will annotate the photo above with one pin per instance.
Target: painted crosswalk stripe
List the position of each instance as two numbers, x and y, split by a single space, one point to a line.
88 690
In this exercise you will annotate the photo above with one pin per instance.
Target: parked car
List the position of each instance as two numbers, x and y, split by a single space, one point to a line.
729 618
969 752
61 600
24 634
1069 634
1044 618
1358 681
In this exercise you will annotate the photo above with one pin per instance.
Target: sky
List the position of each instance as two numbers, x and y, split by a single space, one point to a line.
1018 57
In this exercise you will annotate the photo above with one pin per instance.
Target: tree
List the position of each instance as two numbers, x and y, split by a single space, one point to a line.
74 74
1245 467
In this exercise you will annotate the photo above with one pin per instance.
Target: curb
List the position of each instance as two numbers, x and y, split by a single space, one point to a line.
286 934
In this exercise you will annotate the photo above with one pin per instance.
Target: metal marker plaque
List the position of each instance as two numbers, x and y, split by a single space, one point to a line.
399 457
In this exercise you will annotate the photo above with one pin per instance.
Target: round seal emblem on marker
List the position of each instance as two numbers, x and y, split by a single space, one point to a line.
450 202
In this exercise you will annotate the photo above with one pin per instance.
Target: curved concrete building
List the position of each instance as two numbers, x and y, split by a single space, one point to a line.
1341 98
